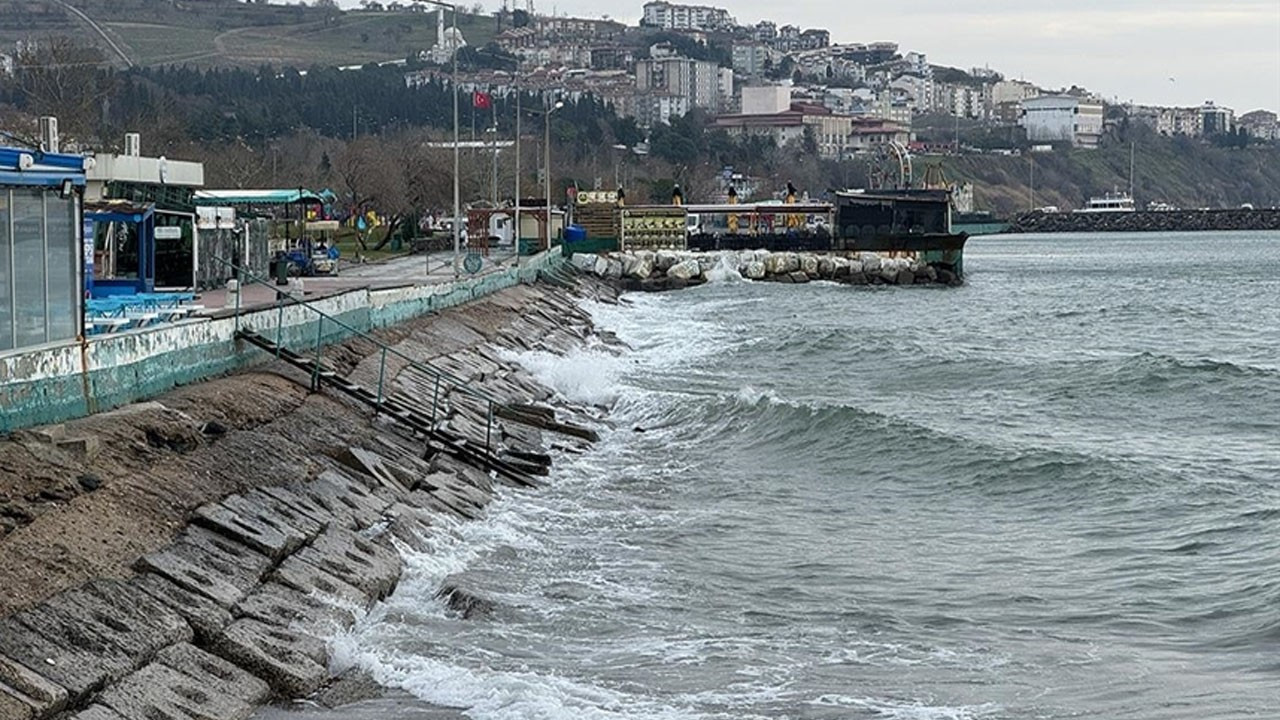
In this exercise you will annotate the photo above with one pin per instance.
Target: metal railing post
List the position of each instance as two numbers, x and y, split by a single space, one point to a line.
279 323
239 290
435 399
488 434
382 371
315 369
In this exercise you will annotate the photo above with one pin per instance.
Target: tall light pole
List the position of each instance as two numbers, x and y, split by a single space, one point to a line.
547 165
515 234
457 191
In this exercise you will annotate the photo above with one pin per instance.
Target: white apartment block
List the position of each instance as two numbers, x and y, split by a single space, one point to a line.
1012 91
1215 119
699 81
1170 121
654 108
966 101
1062 118
766 99
749 59
670 16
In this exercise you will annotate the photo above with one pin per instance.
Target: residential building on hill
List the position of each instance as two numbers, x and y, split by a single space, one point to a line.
1261 124
1215 119
671 16
1013 91
837 136
1063 118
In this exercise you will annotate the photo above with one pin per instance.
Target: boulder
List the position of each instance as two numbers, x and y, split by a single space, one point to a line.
684 270
857 278
798 276
663 260
870 262
755 270
638 267
905 277
826 267
601 267
613 269
583 262
776 264
809 265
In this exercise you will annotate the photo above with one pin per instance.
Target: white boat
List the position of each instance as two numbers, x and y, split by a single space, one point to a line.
1109 202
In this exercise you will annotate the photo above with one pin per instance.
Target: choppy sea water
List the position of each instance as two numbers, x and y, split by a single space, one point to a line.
1052 493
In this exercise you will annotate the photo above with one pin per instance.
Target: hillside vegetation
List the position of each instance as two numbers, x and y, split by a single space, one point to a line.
1177 171
233 33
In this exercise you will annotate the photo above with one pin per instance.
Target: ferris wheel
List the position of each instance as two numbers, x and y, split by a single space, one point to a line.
891 167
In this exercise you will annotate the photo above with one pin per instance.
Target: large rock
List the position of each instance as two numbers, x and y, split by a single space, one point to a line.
309 579
638 267
601 267
776 264
250 525
827 267
341 495
870 262
809 265
292 663
664 260
799 276
755 270
613 269
205 616
371 566
905 277
685 270
584 262
277 604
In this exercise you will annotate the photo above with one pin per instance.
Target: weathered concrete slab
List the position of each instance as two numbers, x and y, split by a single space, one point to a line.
371 566
307 579
211 671
158 692
290 662
112 620
204 562
205 616
80 670
383 470
33 688
447 505
251 526
345 496
277 604
278 511
14 705
295 498
97 712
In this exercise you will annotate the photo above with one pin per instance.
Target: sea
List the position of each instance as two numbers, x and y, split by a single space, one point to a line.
1052 493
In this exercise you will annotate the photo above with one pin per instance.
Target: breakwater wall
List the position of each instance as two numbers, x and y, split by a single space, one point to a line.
1162 221
59 382
236 608
667 270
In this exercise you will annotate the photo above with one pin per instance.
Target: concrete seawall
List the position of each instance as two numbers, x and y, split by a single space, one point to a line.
221 543
56 383
1163 221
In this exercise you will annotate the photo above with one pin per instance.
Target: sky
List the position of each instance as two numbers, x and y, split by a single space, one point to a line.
1157 52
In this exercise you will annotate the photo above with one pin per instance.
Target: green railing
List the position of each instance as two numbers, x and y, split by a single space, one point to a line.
451 382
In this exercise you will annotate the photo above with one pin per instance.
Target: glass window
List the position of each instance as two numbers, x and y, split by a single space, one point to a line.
63 263
29 281
6 276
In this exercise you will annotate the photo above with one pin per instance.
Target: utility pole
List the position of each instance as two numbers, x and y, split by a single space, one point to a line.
1031 188
515 233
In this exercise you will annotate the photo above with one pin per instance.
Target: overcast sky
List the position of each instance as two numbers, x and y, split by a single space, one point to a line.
1165 52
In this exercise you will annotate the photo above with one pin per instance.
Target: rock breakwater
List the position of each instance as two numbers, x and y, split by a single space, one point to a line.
1163 221
666 270
236 608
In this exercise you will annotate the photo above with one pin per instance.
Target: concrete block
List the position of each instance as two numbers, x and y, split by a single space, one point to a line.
345 497
446 504
372 567
307 579
214 566
290 662
84 447
14 705
119 626
44 696
295 499
97 712
250 526
277 604
158 691
80 670
278 511
205 616
211 671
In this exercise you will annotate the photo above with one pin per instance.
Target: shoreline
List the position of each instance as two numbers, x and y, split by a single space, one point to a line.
299 505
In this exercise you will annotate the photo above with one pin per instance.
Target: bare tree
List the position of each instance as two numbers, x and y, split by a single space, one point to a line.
57 76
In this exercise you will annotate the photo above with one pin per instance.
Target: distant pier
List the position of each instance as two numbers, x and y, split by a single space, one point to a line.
1153 221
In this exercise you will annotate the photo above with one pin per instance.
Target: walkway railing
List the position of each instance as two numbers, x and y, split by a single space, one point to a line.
442 379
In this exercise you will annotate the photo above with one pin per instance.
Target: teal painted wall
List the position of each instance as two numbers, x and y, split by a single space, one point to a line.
58 383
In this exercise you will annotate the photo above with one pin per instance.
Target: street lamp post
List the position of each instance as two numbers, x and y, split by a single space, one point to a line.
457 191
547 165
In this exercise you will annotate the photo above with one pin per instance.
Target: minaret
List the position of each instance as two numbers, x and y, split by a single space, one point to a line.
440 29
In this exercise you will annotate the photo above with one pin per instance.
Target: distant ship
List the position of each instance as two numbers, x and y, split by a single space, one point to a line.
1109 202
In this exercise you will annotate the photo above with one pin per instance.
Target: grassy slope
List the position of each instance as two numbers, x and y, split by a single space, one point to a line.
1182 173
222 32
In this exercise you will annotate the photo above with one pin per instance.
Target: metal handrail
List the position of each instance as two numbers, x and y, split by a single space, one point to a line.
426 368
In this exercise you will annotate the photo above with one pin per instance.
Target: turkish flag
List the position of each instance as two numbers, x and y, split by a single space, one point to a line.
481 100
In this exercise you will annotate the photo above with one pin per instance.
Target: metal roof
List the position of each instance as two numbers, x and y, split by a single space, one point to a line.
20 166
257 197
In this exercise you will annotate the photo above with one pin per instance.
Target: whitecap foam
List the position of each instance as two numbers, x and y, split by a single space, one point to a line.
725 270
908 709
583 376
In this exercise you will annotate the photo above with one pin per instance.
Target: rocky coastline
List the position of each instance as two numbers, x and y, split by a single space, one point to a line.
204 546
1162 221
650 271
